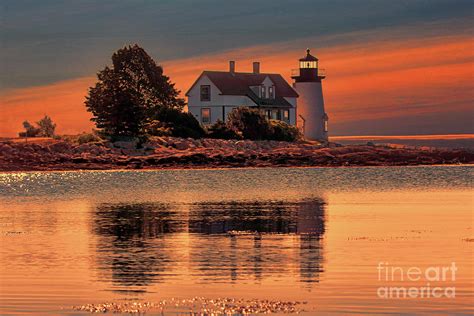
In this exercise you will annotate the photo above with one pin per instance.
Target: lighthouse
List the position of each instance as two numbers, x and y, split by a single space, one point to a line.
312 118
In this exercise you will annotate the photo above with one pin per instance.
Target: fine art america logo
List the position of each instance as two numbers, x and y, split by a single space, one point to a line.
433 281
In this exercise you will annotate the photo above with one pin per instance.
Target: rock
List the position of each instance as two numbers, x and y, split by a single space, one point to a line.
79 160
155 141
60 147
126 144
93 149
5 149
197 142
81 149
215 152
135 164
183 145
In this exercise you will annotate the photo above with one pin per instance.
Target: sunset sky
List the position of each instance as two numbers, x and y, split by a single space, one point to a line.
393 67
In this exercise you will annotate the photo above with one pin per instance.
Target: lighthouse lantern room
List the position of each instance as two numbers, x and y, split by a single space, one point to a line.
312 118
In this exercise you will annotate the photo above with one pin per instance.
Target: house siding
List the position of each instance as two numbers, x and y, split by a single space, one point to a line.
221 105
293 110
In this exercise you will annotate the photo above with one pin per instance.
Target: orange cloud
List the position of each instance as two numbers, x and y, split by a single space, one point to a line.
63 101
374 80
377 79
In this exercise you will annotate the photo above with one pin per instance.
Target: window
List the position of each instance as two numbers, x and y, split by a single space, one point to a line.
286 115
263 92
205 93
325 125
270 92
275 114
308 64
206 115
278 113
269 114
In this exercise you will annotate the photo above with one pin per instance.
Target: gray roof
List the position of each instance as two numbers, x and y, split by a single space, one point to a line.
239 83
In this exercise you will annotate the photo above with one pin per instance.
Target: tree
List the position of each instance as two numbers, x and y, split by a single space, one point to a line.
128 95
30 130
46 127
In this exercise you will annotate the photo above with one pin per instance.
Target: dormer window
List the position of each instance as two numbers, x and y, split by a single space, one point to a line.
263 93
205 93
271 92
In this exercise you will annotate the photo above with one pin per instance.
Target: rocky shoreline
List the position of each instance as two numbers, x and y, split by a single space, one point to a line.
170 152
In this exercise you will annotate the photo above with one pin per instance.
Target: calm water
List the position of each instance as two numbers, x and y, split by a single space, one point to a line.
327 236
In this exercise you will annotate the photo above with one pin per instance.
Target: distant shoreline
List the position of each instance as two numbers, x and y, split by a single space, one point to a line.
447 141
383 137
178 153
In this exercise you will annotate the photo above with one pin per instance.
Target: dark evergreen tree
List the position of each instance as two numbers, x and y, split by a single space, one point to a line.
128 95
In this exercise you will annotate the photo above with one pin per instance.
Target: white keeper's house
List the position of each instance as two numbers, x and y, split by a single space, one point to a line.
215 94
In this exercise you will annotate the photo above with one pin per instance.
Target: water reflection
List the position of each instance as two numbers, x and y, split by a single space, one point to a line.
262 217
140 244
131 243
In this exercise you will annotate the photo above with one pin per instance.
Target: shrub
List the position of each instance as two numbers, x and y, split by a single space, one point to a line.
284 132
44 128
157 128
249 123
88 138
221 131
173 122
30 130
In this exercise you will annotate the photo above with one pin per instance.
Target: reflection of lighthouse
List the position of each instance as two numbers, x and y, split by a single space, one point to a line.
312 118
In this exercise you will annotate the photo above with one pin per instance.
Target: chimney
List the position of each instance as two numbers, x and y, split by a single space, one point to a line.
256 67
232 67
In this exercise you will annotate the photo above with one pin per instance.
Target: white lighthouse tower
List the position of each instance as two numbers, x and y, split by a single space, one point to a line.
312 118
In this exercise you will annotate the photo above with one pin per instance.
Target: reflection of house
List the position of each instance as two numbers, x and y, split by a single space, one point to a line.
305 217
137 244
255 234
215 93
